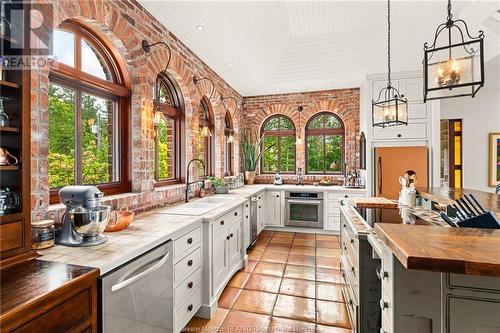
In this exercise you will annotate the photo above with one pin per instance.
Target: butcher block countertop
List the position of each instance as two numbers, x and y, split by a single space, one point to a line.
451 250
447 196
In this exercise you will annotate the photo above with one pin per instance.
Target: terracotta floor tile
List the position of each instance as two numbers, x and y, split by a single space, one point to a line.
267 233
250 266
305 236
333 263
304 242
304 250
228 297
255 254
329 253
331 329
282 325
329 292
281 240
299 272
255 301
297 287
263 240
278 248
202 325
295 308
238 321
284 233
326 238
269 268
328 275
259 247
298 259
278 257
328 244
238 280
333 314
267 283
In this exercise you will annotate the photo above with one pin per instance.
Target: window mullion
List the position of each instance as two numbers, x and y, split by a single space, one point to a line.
324 154
78 139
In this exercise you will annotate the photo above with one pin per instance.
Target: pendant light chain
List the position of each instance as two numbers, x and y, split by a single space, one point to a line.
450 16
389 42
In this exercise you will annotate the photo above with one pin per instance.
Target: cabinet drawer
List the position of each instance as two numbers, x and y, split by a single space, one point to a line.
11 236
337 196
333 223
187 310
225 220
410 131
62 318
187 243
186 287
186 266
485 283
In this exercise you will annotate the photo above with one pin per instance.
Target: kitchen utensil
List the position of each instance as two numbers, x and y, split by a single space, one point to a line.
486 220
6 158
476 210
402 181
9 200
458 213
447 219
477 203
122 220
413 179
85 218
464 209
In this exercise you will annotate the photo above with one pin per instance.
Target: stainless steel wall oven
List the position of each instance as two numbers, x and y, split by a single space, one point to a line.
304 209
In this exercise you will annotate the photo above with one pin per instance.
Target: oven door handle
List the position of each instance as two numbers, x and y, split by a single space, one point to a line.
311 202
139 276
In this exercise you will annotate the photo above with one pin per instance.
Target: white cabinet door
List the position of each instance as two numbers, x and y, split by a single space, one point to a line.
246 224
234 245
272 204
220 260
410 131
473 315
412 89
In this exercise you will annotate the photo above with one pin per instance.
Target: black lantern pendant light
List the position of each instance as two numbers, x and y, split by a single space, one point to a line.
390 108
457 68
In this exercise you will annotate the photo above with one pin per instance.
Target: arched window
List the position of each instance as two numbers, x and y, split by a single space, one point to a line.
228 143
324 144
206 142
278 145
88 113
169 129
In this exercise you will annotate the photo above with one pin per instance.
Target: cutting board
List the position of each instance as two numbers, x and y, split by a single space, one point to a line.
373 202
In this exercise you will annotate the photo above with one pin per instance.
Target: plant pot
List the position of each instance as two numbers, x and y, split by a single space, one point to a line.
250 177
222 189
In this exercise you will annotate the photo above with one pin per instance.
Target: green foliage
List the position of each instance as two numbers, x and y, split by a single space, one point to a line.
163 150
251 150
317 147
279 154
217 182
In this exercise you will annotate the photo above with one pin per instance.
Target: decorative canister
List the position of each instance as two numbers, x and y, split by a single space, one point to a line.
42 234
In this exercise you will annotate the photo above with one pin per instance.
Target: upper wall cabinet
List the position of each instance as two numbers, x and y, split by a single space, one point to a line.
412 89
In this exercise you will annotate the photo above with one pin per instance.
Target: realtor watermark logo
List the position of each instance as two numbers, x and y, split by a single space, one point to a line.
21 19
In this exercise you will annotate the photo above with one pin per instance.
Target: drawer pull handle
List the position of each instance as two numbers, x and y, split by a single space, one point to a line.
246 216
352 241
190 262
190 307
350 301
190 240
346 196
235 213
352 269
222 222
228 237
260 206
246 205
277 196
345 247
383 304
190 285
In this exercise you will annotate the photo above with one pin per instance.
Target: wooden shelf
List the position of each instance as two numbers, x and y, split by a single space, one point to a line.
9 84
9 167
9 129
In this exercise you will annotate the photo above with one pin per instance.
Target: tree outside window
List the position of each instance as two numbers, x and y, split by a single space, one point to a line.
278 145
324 144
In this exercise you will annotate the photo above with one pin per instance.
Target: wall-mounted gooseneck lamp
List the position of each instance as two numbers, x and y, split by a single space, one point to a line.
146 46
222 99
198 80
299 140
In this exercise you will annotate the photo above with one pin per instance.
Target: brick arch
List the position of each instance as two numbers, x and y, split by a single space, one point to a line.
275 109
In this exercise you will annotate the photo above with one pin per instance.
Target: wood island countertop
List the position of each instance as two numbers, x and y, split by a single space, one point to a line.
447 196
452 250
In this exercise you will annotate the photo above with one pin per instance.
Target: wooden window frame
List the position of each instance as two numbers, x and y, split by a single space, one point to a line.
279 134
176 113
228 130
118 89
324 132
209 142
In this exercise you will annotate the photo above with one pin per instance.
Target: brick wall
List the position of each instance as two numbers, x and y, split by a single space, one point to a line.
125 24
343 102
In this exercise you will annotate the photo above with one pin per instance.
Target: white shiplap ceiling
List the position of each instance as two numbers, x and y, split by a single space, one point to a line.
291 46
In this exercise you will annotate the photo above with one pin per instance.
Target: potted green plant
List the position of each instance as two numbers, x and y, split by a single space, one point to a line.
220 185
251 154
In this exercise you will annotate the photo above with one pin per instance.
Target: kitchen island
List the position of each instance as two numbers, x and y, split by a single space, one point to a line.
438 279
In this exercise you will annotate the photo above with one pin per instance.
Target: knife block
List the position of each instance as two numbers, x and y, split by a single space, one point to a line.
486 220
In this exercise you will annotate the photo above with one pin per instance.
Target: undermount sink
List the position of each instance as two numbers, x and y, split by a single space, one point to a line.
197 208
